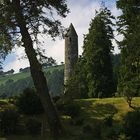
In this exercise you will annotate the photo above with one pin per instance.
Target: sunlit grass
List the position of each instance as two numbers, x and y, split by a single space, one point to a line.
99 108
92 111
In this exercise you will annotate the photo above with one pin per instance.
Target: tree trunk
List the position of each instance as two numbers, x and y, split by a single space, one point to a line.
39 79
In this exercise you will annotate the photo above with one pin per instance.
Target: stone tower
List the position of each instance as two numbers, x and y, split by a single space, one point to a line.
71 52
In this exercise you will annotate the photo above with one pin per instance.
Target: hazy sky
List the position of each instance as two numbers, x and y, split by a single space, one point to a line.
81 13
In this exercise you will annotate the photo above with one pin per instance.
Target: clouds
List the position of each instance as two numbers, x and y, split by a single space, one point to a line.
18 62
81 13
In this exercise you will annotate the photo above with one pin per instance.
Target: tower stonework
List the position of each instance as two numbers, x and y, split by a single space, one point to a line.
71 52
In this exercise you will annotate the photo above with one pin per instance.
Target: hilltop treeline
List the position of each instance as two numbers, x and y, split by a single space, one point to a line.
15 87
55 77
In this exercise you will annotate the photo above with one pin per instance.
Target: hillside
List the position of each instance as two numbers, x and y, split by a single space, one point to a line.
23 75
14 84
101 119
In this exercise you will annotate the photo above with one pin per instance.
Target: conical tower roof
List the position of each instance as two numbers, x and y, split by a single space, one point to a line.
71 31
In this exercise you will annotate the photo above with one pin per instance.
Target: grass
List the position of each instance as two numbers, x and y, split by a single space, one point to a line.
100 108
23 75
93 113
14 77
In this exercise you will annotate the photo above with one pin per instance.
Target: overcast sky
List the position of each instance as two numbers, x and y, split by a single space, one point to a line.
81 13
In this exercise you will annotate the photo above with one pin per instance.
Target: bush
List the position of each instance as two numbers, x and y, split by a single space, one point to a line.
29 103
33 126
77 121
132 125
9 120
111 133
71 109
108 121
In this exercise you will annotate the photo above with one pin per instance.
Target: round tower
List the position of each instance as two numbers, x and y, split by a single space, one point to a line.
71 52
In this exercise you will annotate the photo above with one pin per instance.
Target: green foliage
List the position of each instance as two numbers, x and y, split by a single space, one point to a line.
128 26
8 121
132 125
97 55
92 115
108 120
116 68
23 21
93 75
55 80
33 14
29 103
70 109
14 77
77 85
129 91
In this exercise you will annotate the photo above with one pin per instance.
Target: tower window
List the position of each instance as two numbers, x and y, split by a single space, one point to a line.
70 39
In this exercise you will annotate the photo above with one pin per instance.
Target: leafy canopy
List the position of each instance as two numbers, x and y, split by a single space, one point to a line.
38 16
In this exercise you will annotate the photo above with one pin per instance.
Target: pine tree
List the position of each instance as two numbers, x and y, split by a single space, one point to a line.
97 54
129 26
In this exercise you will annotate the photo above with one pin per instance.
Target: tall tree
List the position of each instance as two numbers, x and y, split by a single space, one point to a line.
77 85
129 26
97 54
23 21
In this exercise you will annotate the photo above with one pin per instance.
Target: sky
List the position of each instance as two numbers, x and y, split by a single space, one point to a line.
81 13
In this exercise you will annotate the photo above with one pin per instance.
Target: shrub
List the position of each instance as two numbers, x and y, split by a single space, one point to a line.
77 121
9 120
33 126
70 109
132 125
108 121
29 103
111 133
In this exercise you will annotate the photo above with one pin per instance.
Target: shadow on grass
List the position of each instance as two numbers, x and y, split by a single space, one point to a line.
103 110
98 110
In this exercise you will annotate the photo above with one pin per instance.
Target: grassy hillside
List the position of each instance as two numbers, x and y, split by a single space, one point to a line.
13 85
23 75
91 120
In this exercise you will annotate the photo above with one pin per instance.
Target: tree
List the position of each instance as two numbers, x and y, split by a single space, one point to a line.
29 103
97 54
21 22
5 46
48 61
128 26
77 85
